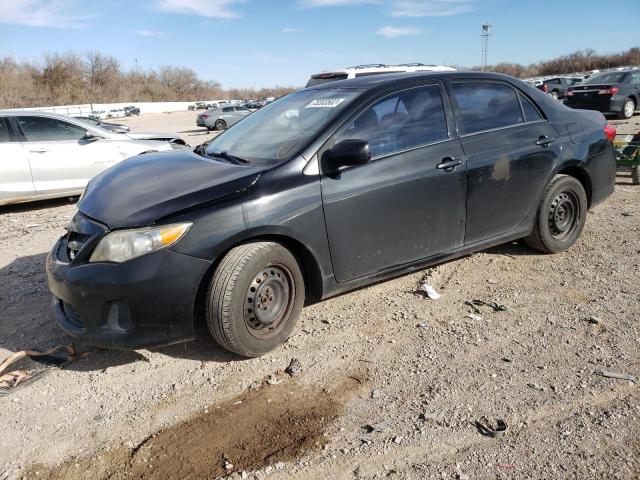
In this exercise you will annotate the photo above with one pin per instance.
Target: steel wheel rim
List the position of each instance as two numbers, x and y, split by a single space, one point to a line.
268 300
563 215
628 108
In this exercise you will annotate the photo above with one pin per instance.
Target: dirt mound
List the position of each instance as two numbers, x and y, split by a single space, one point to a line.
261 427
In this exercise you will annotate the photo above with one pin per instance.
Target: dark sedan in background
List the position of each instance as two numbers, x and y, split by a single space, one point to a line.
608 92
322 191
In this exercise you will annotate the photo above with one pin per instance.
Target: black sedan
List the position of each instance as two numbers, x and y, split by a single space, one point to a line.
322 191
608 92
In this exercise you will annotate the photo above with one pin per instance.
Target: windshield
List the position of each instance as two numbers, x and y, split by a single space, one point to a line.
281 129
611 77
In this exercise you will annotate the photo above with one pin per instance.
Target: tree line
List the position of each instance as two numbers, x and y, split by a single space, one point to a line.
73 78
580 61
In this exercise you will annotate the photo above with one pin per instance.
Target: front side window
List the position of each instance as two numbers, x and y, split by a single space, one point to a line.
400 122
227 109
5 133
485 106
281 129
45 129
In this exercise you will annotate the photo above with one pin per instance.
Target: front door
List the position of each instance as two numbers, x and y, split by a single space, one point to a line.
510 152
62 160
403 205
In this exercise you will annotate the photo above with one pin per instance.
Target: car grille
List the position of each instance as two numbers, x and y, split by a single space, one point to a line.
82 231
71 314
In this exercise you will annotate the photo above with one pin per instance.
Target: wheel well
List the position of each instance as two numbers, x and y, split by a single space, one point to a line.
306 260
582 176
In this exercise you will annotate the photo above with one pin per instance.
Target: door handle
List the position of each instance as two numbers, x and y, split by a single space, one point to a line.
38 150
543 141
449 164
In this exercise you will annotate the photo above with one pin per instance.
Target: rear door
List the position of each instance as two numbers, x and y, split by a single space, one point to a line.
62 160
510 152
15 174
403 205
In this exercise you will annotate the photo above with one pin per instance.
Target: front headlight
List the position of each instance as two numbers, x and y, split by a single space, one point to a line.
123 245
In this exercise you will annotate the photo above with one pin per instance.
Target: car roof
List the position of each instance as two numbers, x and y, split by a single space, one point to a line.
391 79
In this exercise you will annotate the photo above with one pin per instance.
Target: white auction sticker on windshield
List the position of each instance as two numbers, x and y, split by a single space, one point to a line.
325 103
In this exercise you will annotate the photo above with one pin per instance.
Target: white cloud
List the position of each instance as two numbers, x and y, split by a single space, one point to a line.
430 8
394 32
402 8
41 13
291 30
203 8
150 33
333 3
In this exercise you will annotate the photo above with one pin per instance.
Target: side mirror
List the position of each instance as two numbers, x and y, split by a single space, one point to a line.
90 137
348 152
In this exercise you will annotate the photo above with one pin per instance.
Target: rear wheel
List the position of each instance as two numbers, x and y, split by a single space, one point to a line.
220 124
628 108
255 298
560 217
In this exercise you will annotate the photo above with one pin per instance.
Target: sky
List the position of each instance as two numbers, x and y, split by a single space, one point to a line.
264 43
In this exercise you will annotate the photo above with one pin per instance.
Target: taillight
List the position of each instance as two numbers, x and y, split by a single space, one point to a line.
569 93
610 132
609 91
204 116
545 87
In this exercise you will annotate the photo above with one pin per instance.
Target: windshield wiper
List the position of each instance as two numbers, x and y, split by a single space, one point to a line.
227 156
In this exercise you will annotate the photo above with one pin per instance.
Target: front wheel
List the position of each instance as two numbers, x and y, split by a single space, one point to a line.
628 108
220 125
560 217
255 298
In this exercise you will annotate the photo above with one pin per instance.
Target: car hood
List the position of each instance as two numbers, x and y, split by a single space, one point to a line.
143 189
150 135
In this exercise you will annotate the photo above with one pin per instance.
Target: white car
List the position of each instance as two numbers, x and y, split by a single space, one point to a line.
45 155
373 69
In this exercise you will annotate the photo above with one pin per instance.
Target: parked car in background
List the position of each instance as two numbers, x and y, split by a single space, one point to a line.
45 155
114 127
379 176
131 110
115 113
220 118
608 92
558 86
373 69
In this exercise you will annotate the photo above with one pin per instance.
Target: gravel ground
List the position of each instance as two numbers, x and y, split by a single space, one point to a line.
391 384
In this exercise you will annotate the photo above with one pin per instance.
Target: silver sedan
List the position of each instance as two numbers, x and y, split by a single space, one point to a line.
47 155
222 117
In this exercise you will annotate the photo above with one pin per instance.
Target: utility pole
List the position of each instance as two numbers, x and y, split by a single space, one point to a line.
136 69
484 35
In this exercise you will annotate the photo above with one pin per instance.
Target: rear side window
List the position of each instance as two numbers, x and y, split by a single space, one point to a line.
485 106
45 129
5 133
401 121
531 113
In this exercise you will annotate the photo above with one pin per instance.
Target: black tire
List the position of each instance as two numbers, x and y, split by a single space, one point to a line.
560 217
635 175
628 108
255 298
220 125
